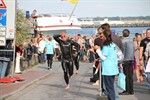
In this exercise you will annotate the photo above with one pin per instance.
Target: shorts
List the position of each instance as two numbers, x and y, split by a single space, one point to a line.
49 56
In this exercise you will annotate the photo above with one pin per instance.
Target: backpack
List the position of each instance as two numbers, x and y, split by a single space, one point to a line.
120 56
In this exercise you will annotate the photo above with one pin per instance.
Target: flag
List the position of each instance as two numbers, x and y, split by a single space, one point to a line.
73 1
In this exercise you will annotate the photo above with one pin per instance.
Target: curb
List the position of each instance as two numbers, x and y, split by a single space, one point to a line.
4 97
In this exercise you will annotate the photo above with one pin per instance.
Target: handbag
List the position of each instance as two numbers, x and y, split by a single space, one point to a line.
120 55
122 81
147 70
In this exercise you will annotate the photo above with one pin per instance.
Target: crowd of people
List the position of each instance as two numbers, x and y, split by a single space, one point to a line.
99 49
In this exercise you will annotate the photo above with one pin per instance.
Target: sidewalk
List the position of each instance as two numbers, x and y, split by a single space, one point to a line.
30 76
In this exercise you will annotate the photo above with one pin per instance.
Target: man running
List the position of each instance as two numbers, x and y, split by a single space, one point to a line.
66 46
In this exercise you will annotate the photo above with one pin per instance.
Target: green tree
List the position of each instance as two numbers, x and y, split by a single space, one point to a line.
22 27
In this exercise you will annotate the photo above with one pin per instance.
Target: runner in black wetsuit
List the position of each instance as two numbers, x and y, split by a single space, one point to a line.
76 59
67 59
76 56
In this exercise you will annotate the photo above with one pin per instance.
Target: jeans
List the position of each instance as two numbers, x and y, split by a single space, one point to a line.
148 79
116 91
42 58
109 84
128 71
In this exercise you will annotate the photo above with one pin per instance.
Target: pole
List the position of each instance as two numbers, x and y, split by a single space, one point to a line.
73 11
100 79
13 67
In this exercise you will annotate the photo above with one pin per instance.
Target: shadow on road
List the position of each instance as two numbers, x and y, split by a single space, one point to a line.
141 90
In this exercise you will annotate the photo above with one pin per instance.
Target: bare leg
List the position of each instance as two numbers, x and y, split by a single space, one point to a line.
141 72
137 74
96 83
76 71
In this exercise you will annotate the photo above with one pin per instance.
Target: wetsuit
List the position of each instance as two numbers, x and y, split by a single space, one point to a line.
67 59
76 58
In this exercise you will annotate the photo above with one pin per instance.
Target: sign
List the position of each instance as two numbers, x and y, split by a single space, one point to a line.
9 10
2 41
3 36
8 17
3 17
2 4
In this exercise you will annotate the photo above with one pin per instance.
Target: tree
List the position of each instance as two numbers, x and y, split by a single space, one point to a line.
22 27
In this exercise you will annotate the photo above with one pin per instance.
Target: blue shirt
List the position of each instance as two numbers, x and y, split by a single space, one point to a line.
49 47
110 64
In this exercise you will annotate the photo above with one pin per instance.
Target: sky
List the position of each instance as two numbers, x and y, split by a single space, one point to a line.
89 8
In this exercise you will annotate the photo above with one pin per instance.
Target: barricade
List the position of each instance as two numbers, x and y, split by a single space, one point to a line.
4 66
24 63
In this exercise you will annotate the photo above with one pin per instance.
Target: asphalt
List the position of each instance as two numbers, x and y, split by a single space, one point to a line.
37 73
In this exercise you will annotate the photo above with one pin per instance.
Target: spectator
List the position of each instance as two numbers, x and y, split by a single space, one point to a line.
80 41
29 51
128 51
91 53
34 13
139 67
143 46
41 49
108 57
116 39
10 46
49 46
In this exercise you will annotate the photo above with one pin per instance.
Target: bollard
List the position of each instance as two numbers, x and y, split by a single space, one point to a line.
17 69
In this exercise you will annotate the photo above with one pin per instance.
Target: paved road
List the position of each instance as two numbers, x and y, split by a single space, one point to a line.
53 87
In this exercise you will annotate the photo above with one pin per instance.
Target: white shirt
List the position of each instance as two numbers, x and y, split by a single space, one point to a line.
148 67
41 46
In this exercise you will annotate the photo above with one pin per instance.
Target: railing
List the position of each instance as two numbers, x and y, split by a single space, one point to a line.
27 64
6 65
